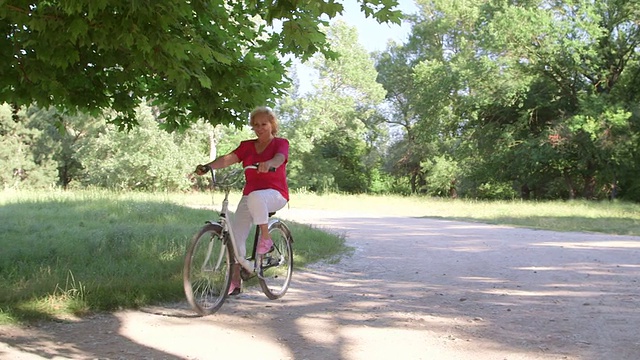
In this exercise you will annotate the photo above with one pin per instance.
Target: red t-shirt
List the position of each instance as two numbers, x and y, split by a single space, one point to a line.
277 180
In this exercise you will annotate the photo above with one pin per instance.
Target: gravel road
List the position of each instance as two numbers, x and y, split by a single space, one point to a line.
414 288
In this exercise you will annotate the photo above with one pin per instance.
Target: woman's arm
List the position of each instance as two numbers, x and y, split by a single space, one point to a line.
275 161
282 153
219 163
224 161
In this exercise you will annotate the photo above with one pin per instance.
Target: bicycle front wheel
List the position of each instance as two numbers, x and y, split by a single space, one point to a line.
206 273
277 265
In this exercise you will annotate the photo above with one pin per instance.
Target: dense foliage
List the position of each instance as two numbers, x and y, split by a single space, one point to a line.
197 59
497 100
539 99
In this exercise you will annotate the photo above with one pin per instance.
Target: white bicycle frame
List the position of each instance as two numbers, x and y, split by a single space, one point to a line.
227 225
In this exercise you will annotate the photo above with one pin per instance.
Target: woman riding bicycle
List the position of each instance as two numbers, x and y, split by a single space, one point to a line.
265 191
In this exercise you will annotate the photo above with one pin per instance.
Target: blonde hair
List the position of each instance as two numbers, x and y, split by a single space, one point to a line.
272 117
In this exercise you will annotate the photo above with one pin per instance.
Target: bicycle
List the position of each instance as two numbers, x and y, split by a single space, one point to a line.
208 260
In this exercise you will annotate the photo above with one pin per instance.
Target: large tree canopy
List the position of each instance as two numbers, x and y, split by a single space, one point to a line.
194 59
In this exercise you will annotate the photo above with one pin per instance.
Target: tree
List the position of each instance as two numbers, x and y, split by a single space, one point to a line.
61 136
420 84
537 95
20 166
334 128
580 57
192 59
145 158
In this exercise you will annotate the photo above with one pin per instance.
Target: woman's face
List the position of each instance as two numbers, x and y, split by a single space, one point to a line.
261 125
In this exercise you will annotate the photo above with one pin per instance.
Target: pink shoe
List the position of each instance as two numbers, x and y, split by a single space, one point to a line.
264 246
234 288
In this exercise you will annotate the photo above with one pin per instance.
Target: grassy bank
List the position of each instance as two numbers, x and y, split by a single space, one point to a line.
71 253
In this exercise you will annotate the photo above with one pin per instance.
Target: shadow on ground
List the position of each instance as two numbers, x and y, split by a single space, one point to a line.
434 289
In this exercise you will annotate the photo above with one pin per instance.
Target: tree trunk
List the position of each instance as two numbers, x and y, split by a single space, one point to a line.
213 145
589 187
525 192
589 190
414 182
613 189
569 182
453 193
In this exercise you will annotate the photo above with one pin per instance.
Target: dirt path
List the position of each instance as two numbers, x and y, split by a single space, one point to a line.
415 288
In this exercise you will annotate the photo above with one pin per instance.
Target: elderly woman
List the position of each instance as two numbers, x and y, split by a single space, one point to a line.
264 191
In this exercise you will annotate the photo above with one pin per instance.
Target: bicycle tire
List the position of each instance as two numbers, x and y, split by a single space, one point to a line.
206 273
277 266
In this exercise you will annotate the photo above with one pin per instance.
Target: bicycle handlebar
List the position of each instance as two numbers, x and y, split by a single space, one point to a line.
255 167
229 179
205 169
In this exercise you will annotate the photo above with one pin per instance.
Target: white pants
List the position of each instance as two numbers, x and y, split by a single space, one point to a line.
254 209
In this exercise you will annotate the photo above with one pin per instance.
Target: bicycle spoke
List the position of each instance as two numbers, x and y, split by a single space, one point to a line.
277 266
206 270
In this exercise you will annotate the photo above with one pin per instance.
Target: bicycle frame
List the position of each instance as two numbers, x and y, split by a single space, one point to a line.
227 227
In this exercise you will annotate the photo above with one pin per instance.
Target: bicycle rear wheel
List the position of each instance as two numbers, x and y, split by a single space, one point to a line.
277 266
206 274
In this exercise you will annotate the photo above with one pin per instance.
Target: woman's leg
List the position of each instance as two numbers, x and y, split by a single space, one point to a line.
260 203
242 222
236 280
241 226
252 209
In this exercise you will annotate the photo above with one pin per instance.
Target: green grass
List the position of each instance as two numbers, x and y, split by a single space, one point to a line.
65 254
611 217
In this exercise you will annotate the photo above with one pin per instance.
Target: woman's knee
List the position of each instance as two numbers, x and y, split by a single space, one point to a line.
255 200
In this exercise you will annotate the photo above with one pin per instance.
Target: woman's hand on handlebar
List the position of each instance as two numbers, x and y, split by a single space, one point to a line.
202 169
264 167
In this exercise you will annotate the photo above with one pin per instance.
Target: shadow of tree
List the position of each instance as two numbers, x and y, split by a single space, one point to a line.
93 337
414 288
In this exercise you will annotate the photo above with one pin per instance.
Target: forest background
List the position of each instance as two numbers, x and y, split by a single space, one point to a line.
485 100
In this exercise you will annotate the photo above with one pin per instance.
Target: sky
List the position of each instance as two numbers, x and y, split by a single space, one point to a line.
372 35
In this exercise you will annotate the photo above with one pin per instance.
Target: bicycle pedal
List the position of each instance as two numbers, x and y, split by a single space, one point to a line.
268 261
